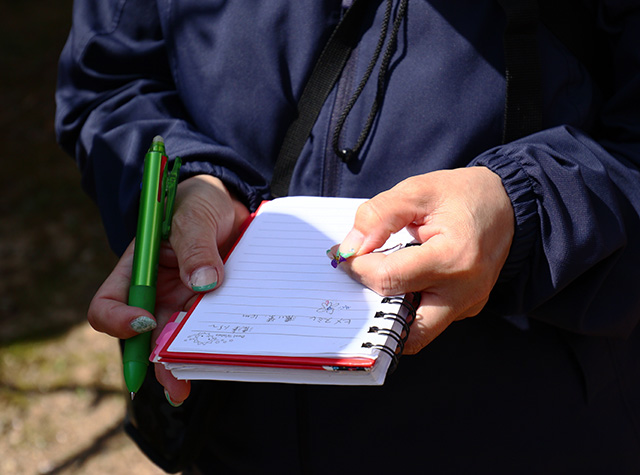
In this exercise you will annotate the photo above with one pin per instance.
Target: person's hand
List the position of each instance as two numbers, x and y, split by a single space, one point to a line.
205 224
464 221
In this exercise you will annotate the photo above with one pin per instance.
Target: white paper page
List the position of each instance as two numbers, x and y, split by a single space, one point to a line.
281 296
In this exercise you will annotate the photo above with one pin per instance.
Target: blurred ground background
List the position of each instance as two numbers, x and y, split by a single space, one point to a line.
61 393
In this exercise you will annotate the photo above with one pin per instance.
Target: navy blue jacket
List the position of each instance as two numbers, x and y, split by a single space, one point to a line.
221 84
220 81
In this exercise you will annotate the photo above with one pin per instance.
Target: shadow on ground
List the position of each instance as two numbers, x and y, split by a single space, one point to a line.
61 398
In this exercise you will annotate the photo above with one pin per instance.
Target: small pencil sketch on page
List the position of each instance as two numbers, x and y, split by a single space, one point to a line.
329 307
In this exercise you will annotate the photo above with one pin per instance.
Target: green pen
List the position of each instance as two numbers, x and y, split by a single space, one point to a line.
154 224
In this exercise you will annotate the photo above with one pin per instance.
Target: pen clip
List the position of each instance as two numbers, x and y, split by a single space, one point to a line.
171 187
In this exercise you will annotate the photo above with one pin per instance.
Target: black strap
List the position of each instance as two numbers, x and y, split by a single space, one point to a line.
523 102
323 77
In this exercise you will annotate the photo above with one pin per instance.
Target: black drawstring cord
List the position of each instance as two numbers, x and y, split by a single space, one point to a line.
347 154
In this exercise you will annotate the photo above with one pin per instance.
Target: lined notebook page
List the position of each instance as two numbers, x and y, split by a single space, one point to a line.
281 296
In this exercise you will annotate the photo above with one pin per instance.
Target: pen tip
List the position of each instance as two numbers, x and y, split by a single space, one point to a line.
158 138
133 395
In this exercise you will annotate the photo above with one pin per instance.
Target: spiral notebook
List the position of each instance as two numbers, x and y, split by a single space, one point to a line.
284 314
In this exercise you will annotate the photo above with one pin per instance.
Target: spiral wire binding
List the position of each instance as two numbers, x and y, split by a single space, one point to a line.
387 350
395 317
393 334
401 301
399 338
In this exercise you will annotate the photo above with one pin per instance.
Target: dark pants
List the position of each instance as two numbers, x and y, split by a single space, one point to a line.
484 397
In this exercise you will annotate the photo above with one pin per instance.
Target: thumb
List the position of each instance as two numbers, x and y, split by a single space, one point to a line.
202 221
378 218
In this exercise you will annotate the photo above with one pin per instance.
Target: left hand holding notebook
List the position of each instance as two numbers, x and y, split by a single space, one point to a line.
206 218
464 220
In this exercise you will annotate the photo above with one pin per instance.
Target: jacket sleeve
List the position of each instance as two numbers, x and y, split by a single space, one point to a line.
575 259
115 93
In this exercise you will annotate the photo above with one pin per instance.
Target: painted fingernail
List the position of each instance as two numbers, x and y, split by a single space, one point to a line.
347 254
351 244
337 260
337 257
170 401
203 279
143 324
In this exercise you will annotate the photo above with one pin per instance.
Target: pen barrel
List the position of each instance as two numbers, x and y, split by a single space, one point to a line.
150 217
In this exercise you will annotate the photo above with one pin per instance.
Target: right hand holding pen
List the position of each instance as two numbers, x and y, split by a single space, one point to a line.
206 222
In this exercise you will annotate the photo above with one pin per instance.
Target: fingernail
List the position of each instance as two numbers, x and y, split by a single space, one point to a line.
336 257
332 252
174 404
203 279
351 244
143 324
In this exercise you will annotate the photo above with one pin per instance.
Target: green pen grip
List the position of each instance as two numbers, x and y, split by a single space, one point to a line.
136 349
